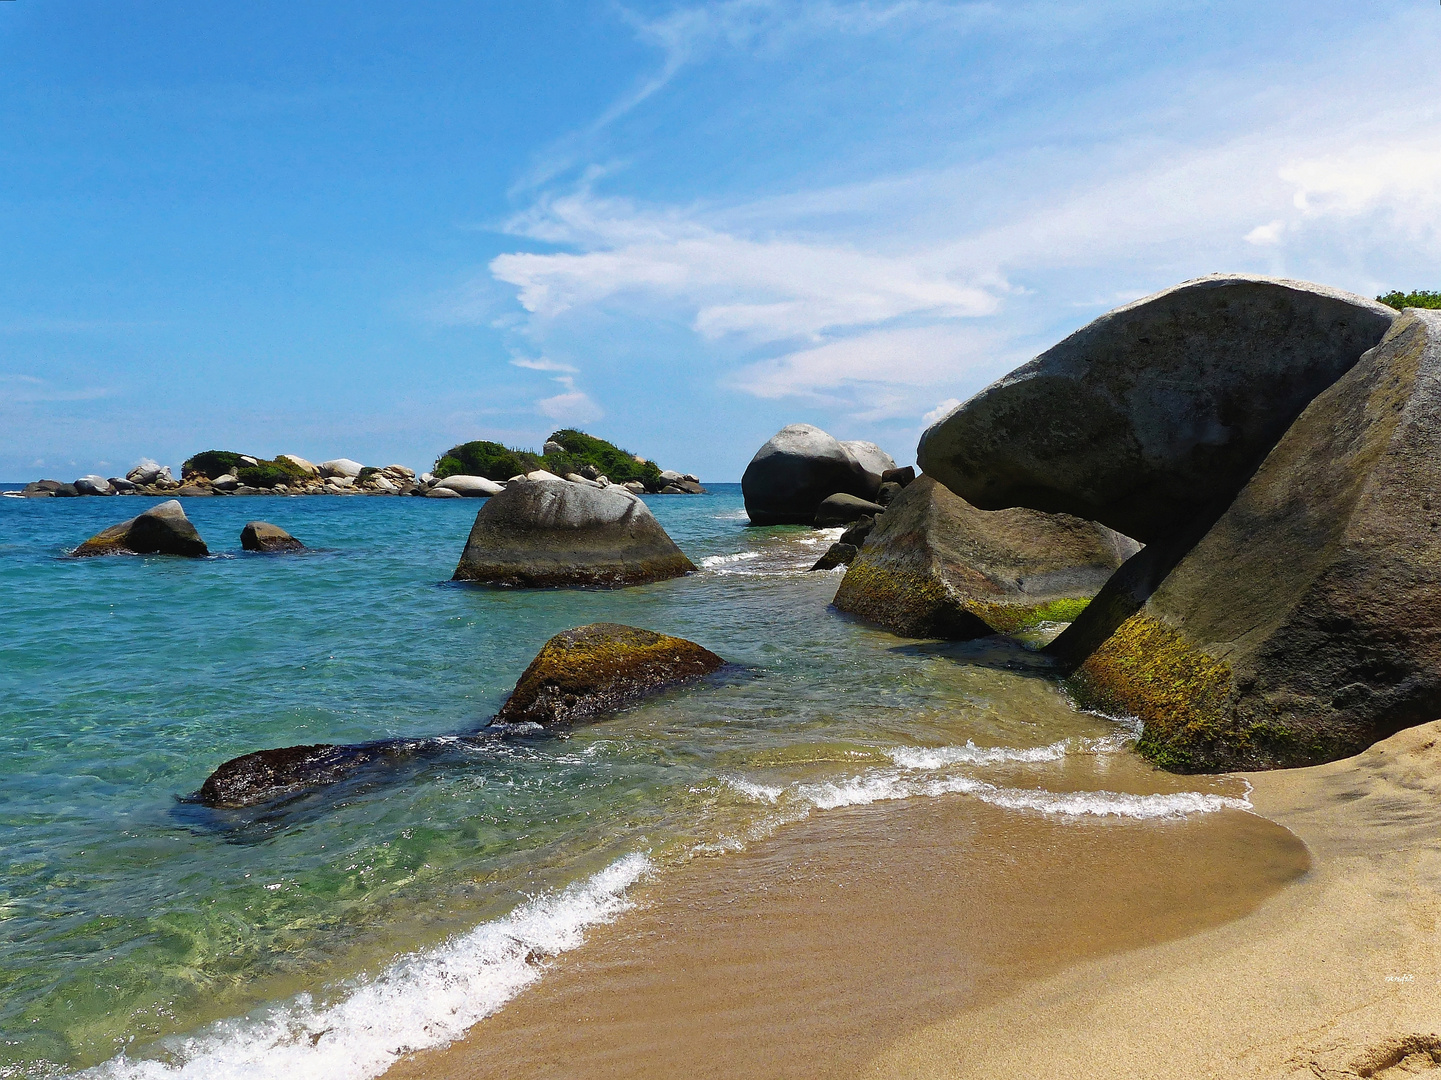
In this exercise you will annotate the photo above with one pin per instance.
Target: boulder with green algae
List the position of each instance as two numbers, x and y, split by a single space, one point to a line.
935 566
1150 414
263 536
542 531
588 670
1306 624
161 530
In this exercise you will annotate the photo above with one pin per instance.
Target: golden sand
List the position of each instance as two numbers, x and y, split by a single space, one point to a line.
811 954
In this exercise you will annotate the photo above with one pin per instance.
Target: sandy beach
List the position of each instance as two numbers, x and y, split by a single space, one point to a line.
1298 941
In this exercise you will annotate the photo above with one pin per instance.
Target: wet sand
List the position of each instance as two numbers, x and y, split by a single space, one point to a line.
811 954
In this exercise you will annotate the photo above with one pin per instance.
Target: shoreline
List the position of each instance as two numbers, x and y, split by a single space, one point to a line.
1323 964
809 953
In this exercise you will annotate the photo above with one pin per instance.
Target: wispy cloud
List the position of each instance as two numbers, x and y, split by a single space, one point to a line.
542 364
28 388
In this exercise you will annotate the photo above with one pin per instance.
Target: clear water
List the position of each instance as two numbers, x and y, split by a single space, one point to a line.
151 938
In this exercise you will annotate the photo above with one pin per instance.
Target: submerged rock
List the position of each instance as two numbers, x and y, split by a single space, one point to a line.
1158 409
1306 623
935 566
263 536
266 775
591 669
795 470
161 530
838 554
544 531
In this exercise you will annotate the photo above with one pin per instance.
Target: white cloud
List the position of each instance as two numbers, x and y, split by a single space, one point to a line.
940 411
27 388
573 407
542 364
1266 234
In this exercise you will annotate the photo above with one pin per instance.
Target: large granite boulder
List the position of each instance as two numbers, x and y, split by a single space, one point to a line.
935 566
1151 413
161 530
800 466
592 669
94 485
1306 623
544 531
343 468
263 536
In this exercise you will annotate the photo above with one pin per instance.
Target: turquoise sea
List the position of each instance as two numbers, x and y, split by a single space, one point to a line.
143 936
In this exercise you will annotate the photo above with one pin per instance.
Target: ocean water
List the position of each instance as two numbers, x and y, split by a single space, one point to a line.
144 936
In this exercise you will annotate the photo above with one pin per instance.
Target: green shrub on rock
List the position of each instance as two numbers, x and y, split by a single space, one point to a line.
485 458
213 464
1420 298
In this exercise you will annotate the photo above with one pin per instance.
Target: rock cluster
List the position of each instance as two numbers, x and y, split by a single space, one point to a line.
1277 444
543 531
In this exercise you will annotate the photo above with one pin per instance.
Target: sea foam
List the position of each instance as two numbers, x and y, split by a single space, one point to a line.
425 999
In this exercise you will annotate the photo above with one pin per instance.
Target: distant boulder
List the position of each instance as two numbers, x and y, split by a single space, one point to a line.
94 485
45 489
147 472
1306 623
589 670
263 536
472 487
1157 410
844 509
161 530
544 531
307 467
795 471
935 566
341 467
443 493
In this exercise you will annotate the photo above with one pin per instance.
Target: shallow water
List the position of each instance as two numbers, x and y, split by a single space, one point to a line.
397 910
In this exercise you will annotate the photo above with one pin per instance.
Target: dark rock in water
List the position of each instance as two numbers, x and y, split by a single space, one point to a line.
591 669
543 531
1152 412
843 509
263 536
265 775
1306 624
690 487
898 476
838 554
50 489
190 491
793 472
161 530
889 490
935 566
859 530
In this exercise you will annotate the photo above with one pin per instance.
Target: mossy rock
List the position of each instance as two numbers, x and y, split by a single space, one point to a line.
1306 623
935 566
581 673
162 530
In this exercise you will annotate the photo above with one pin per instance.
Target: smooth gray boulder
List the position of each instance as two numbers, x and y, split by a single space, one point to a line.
870 457
1155 411
265 537
120 484
795 470
472 487
844 509
443 493
340 467
161 530
94 485
543 531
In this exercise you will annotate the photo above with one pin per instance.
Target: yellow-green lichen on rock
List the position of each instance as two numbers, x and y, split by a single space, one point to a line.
935 566
590 669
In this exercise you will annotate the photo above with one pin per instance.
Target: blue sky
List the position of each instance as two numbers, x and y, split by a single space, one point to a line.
373 231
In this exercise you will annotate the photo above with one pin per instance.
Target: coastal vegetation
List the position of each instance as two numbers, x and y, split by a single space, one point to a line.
248 469
1418 298
566 451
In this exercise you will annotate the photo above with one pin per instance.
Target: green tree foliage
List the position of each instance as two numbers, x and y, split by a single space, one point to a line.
488 459
497 462
1420 298
213 464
